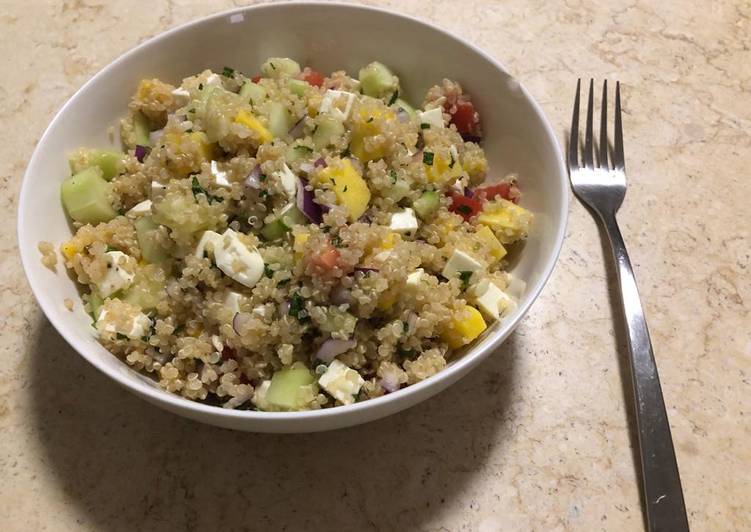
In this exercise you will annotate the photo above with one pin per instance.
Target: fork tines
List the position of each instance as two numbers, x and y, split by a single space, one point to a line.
588 152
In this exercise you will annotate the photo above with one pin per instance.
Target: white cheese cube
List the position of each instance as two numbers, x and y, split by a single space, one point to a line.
244 265
415 278
460 262
140 209
341 382
337 103
516 286
180 93
214 79
494 302
220 177
119 273
134 327
404 222
433 117
288 180
232 301
157 189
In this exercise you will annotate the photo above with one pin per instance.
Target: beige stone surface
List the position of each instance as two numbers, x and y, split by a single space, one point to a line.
537 437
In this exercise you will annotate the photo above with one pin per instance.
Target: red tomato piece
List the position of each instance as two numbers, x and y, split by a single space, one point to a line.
255 79
506 190
313 77
465 118
327 258
466 207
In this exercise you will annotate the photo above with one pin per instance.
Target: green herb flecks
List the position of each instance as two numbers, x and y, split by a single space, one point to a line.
197 189
424 126
228 72
392 173
297 307
464 209
427 158
394 97
464 277
267 271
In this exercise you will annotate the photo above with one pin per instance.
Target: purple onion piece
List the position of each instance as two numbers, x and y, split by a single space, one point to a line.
420 142
340 295
325 208
297 130
284 308
332 348
320 163
402 115
236 322
417 156
254 178
306 167
389 385
305 203
141 152
471 138
468 193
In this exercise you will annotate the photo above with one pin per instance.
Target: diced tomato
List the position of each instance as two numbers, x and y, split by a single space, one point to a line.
255 79
464 117
313 77
505 190
466 207
327 258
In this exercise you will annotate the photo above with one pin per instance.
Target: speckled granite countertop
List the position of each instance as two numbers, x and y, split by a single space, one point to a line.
537 437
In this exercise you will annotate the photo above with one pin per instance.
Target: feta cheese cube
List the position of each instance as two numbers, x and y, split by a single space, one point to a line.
232 301
415 278
244 265
404 222
214 79
140 209
459 262
341 382
493 301
337 103
433 117
134 326
180 93
157 189
119 273
288 180
220 177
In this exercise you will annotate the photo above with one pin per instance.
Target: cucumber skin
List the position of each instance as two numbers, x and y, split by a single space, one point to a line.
427 204
278 67
154 254
298 87
328 129
279 119
141 129
252 93
285 385
376 80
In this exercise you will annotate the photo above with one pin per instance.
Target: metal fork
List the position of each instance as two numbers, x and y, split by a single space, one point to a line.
602 189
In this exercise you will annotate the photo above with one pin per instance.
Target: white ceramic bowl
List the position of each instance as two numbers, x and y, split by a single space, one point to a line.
327 37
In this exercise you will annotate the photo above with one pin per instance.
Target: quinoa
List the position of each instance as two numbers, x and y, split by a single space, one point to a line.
278 245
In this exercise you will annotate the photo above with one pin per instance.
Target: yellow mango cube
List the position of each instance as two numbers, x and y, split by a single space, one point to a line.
69 249
442 170
350 188
188 151
496 249
367 124
464 328
244 118
387 299
509 221
299 244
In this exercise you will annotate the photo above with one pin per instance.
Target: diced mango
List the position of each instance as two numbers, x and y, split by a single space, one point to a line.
351 190
386 243
69 249
387 299
467 326
442 170
367 124
496 249
190 151
509 221
299 245
244 118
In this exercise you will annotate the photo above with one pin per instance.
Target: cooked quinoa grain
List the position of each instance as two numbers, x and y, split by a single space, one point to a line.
294 241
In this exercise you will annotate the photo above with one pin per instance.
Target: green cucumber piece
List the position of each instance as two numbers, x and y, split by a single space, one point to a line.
280 121
285 386
85 197
110 162
376 80
279 67
298 87
146 292
398 190
401 104
297 152
327 130
141 129
426 205
95 302
289 217
151 251
252 93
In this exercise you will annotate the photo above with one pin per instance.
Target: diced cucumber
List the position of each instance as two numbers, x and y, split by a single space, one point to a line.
278 67
141 129
327 130
289 217
110 162
85 197
151 251
285 386
252 93
426 205
401 104
297 152
95 303
280 121
398 190
376 80
146 290
298 87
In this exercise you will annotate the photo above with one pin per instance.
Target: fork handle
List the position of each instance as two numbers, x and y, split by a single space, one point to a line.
663 495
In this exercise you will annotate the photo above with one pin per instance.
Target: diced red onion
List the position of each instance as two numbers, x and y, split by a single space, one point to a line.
254 178
471 138
389 384
402 115
306 167
154 136
332 348
417 156
420 142
340 295
284 308
238 321
297 130
468 193
305 203
141 152
320 163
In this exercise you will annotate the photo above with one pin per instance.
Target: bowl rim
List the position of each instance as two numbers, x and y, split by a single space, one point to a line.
173 401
